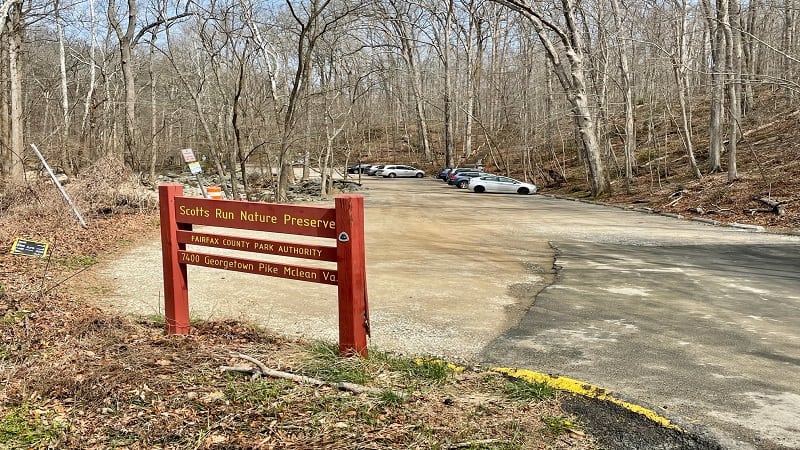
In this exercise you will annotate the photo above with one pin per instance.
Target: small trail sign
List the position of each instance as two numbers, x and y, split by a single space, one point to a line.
194 168
30 248
188 155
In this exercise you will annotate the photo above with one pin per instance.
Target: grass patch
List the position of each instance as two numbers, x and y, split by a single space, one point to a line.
254 393
557 424
421 369
526 391
74 262
326 365
24 427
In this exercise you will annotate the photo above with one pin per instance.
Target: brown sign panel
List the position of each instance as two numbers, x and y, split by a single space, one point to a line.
344 223
271 217
295 250
312 274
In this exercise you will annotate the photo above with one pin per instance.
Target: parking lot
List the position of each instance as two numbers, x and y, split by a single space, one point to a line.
701 321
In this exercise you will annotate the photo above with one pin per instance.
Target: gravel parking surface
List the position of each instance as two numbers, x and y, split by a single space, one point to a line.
457 274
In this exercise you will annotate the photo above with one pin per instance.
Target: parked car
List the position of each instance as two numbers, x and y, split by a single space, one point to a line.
455 172
373 170
499 184
462 180
392 171
359 168
442 175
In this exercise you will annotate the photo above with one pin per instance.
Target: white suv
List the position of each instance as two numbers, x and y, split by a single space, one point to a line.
393 171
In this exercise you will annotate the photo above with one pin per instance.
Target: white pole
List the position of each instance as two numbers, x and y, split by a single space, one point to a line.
60 188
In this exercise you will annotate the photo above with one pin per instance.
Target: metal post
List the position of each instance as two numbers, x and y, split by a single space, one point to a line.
60 188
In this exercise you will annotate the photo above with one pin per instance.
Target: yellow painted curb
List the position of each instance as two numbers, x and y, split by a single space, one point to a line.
451 366
584 389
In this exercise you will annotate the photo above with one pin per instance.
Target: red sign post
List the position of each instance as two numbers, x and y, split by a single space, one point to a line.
344 223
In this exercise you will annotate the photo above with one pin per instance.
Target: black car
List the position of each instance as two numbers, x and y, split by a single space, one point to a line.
359 168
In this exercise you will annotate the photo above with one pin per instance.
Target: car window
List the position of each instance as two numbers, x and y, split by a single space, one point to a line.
506 180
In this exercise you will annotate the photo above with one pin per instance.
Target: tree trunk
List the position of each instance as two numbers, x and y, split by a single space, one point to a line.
87 105
125 38
748 102
731 58
16 173
5 112
473 63
572 79
717 42
627 95
449 145
580 104
408 50
153 121
679 69
65 159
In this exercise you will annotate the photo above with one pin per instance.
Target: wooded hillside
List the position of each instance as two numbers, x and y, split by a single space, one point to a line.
610 97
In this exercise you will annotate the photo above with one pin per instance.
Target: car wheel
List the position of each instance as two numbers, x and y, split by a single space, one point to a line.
419 175
479 189
463 184
391 175
523 191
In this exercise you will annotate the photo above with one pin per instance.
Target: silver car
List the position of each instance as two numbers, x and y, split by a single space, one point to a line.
392 171
499 184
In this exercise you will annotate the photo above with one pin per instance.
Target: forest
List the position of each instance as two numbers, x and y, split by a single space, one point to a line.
591 91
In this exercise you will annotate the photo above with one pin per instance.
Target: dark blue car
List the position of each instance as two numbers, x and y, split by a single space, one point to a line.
442 175
461 180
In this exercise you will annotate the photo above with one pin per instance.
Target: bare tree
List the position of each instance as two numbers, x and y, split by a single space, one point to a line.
474 39
128 37
313 20
572 76
11 29
680 68
403 23
732 58
627 93
717 43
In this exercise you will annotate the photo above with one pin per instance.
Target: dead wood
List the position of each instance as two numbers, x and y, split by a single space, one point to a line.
771 123
677 195
478 443
753 211
263 370
777 206
653 161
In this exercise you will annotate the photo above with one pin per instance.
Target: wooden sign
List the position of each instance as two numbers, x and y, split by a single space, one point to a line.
30 248
343 225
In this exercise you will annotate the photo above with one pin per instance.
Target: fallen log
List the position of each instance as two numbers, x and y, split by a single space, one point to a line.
777 206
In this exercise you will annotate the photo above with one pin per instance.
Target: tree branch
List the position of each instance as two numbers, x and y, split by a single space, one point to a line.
265 371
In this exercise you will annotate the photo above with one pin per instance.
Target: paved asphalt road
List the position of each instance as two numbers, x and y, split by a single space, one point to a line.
700 322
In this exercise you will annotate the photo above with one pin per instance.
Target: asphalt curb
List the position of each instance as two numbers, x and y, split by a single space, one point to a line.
740 226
